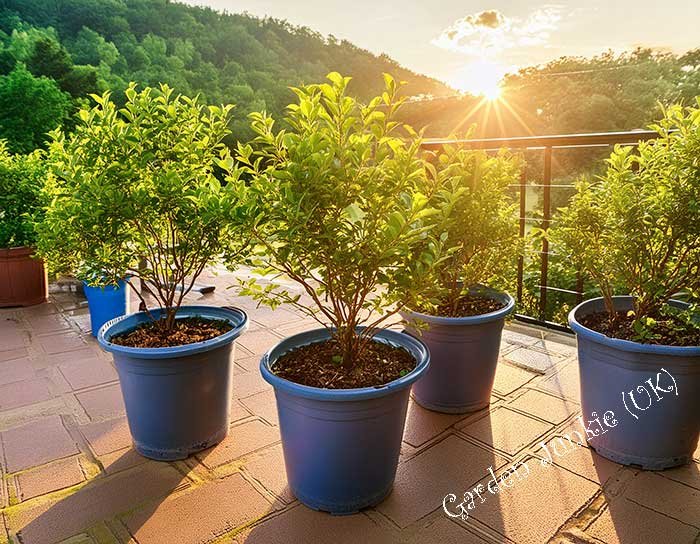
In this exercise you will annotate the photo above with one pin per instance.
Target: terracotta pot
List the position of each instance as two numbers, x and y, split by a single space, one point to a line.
23 280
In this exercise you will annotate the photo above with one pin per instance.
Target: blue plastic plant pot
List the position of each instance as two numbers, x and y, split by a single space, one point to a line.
105 303
463 357
177 398
341 446
665 431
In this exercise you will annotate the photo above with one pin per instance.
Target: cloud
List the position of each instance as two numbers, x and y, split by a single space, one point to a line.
490 32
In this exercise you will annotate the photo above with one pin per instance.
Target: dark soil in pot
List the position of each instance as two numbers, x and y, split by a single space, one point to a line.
186 331
320 365
669 330
469 305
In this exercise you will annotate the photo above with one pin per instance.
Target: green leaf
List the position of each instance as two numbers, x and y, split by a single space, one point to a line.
354 213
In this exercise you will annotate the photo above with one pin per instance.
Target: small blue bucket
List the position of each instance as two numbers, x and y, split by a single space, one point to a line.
105 303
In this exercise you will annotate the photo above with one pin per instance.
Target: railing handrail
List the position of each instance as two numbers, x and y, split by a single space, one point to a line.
552 140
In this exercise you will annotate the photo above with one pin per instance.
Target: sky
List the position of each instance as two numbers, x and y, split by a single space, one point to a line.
470 44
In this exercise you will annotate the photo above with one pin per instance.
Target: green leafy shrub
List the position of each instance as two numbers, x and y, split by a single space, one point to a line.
29 108
21 180
479 221
340 204
139 184
638 227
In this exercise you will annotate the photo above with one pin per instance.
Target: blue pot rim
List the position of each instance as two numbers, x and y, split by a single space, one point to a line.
414 345
586 307
496 315
237 317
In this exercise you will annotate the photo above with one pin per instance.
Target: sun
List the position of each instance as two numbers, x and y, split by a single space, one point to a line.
480 78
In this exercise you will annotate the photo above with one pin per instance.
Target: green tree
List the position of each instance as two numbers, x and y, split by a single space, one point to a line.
49 58
30 107
89 47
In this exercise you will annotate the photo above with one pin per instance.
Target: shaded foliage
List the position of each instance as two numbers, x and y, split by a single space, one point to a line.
21 181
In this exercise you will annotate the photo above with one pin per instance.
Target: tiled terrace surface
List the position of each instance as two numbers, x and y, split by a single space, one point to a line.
70 475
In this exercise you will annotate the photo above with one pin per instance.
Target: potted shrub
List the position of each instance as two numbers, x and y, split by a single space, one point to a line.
461 316
22 277
140 185
340 197
637 231
70 246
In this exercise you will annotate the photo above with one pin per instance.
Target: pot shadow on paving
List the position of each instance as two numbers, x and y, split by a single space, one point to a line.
450 464
652 506
144 486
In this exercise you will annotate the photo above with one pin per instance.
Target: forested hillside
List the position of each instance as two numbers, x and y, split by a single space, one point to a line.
53 53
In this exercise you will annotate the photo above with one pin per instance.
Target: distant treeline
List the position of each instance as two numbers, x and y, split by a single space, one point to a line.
605 93
53 53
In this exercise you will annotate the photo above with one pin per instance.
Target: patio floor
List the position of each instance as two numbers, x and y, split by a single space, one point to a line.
69 473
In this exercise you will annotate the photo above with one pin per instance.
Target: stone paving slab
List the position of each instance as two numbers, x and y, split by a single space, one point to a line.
102 403
265 468
445 531
230 503
423 425
625 522
544 406
302 525
83 373
36 443
263 405
70 472
506 430
16 370
451 466
18 394
565 383
510 378
49 478
554 494
530 359
107 436
665 496
51 521
243 439
582 461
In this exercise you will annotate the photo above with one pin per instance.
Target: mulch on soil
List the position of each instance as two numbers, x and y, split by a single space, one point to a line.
319 365
185 331
468 306
668 331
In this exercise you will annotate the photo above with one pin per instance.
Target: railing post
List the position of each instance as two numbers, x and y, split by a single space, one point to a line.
521 260
546 216
579 287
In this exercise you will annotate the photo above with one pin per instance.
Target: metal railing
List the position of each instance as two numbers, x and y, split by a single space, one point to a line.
546 144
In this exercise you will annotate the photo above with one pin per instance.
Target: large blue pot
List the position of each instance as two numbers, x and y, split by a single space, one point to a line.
341 446
463 357
105 303
665 431
178 398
